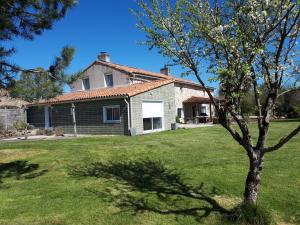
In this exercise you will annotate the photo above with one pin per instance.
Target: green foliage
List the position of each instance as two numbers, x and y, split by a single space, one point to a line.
251 214
25 19
248 106
288 104
233 39
46 84
36 86
20 125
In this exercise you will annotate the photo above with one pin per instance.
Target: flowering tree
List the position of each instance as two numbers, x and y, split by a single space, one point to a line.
246 43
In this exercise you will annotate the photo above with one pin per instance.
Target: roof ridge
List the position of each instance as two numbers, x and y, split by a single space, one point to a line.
151 73
101 93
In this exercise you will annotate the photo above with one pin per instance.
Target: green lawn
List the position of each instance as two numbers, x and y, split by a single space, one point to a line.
143 180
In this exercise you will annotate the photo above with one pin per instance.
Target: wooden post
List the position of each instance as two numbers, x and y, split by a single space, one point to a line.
74 120
6 118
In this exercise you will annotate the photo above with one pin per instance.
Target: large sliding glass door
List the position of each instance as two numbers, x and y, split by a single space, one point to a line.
153 115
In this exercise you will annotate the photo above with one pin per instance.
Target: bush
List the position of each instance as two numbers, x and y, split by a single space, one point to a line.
49 132
251 214
40 132
59 131
20 125
215 120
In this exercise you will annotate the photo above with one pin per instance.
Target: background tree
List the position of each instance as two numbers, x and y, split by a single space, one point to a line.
25 19
45 84
244 43
288 104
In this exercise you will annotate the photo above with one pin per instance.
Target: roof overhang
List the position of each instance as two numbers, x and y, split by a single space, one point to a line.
200 100
104 93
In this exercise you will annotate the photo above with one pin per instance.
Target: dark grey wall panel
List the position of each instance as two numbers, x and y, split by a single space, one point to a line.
89 117
36 116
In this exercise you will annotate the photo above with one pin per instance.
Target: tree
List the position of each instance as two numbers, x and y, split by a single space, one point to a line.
244 43
288 104
45 84
25 19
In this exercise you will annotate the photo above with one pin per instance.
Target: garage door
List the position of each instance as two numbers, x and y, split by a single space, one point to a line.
153 115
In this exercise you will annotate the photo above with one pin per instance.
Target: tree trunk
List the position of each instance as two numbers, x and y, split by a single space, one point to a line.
253 178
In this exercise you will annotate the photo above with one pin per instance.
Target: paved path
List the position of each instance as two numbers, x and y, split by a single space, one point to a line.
188 126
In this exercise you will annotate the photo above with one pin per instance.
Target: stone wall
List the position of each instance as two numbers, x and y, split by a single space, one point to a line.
184 92
96 74
164 94
9 116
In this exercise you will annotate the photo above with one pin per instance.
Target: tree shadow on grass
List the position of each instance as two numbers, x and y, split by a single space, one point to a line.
20 169
140 186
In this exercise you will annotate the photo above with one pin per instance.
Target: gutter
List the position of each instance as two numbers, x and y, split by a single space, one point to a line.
76 100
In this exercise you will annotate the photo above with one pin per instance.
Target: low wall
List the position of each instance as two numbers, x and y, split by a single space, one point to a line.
9 116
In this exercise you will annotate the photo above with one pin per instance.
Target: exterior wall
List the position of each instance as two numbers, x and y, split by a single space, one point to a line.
9 116
96 74
164 94
36 116
89 117
188 110
183 92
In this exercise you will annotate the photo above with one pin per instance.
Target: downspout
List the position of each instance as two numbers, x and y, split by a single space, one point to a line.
128 112
6 117
74 119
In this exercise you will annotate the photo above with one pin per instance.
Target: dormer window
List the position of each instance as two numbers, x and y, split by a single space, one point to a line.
86 83
109 82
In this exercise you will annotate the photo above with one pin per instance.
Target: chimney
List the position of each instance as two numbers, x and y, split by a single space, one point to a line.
165 71
104 56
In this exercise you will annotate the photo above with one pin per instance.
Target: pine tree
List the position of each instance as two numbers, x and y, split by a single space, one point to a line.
25 19
45 84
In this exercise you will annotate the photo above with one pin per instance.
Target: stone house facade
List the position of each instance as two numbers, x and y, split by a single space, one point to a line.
116 99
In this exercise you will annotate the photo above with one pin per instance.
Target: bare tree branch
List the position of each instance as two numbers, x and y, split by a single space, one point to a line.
288 91
283 141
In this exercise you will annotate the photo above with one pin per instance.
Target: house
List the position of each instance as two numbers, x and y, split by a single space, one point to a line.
116 99
11 110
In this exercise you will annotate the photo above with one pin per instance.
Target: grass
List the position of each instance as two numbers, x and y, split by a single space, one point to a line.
176 177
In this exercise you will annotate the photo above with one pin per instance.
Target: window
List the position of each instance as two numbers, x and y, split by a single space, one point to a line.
152 116
86 83
203 109
109 82
179 112
152 124
111 114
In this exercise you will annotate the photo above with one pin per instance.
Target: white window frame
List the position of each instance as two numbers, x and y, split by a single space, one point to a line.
154 130
105 81
105 120
162 118
83 87
203 107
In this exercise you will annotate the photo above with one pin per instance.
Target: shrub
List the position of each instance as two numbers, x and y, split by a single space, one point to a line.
59 131
251 214
40 132
20 125
49 132
215 120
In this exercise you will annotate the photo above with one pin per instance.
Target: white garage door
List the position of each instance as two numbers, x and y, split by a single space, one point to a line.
153 114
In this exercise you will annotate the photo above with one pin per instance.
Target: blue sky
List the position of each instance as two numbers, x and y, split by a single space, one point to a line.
92 26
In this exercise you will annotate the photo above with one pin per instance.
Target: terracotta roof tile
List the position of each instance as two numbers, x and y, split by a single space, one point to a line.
148 73
122 91
134 70
194 99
